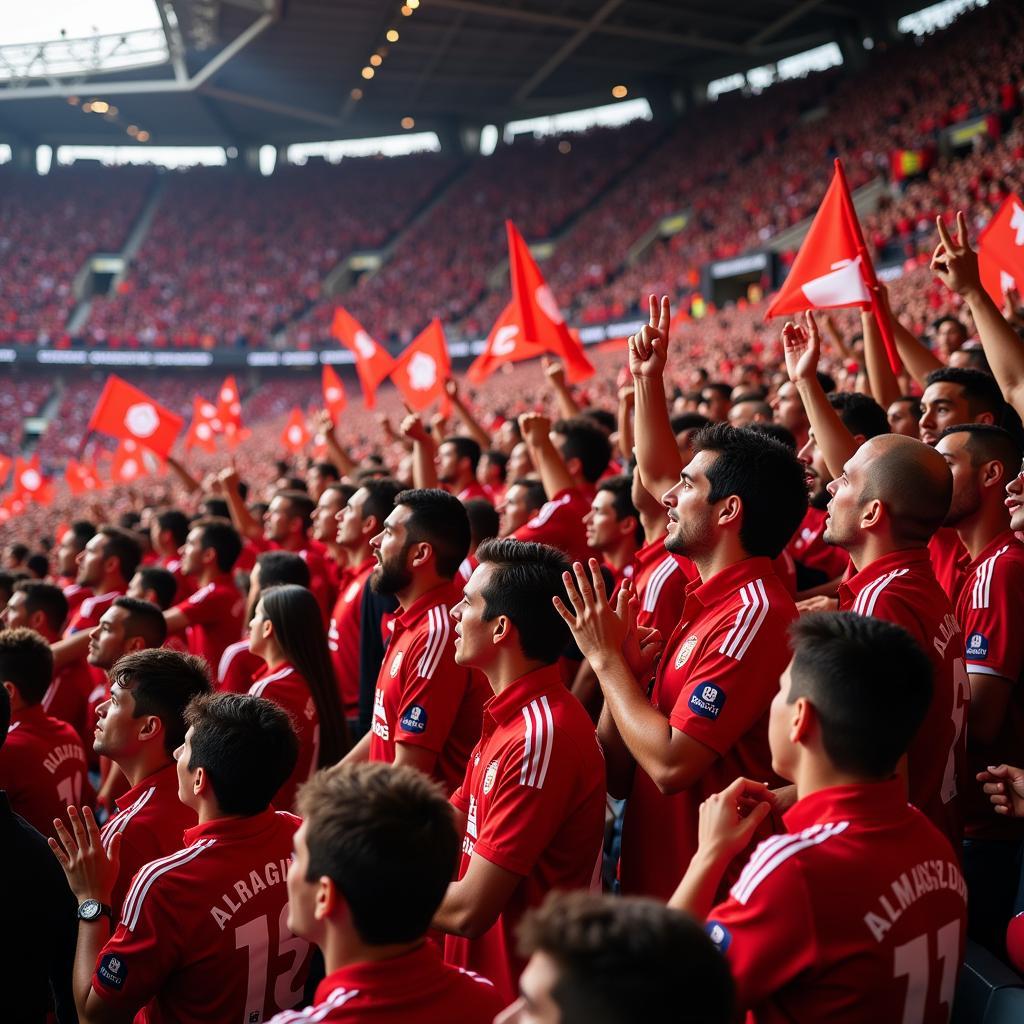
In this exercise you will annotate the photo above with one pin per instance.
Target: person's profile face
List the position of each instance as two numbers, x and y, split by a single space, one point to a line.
301 894
780 718
536 1003
472 633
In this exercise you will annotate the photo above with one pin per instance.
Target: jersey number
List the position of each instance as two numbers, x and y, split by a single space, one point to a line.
255 936
911 961
961 701
70 790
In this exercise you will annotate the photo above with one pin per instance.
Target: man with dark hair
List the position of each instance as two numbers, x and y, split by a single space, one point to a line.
605 960
531 805
105 565
212 617
357 523
484 523
319 477
950 335
523 498
731 510
127 625
154 584
857 912
456 464
138 727
168 531
789 411
329 506
613 527
715 401
286 525
203 932
989 608
42 765
70 545
904 416
373 857
14 556
748 410
7 582
426 710
492 474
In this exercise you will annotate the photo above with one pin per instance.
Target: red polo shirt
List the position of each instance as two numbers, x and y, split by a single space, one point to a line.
423 697
238 668
715 682
534 800
414 988
43 768
947 553
204 932
90 611
809 548
75 594
289 690
857 913
559 522
343 633
990 610
475 490
901 588
67 698
151 820
214 614
660 581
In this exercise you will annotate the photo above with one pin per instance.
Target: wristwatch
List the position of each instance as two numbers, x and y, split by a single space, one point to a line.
93 910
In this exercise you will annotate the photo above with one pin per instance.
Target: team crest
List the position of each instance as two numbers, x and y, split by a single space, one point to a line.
490 775
685 651
396 664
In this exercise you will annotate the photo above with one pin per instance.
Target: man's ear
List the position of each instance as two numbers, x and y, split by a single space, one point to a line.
328 899
731 510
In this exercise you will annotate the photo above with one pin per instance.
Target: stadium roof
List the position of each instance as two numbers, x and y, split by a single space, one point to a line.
247 72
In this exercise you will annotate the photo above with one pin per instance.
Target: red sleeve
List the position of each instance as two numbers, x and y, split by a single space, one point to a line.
766 947
733 683
991 624
460 798
551 525
206 606
432 689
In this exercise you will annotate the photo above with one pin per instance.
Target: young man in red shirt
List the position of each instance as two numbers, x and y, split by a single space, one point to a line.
451 465
613 527
212 617
531 806
168 532
203 934
324 528
363 886
357 523
858 911
69 546
570 456
43 766
286 525
427 709
105 565
138 728
989 608
523 499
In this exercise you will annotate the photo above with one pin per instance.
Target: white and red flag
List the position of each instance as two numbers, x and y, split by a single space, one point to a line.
373 364
423 367
1001 250
123 411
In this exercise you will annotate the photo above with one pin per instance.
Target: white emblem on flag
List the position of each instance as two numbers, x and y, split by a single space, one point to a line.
364 345
422 372
226 394
505 340
141 419
1017 224
208 410
844 285
31 480
129 469
295 434
203 431
547 303
333 394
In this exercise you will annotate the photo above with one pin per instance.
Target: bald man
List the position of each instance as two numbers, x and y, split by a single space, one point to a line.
891 497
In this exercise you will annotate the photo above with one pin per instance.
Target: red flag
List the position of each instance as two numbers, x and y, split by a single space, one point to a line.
128 463
505 344
5 467
1001 250
81 478
229 404
126 412
295 436
833 269
29 482
373 363
205 424
538 312
422 369
334 392
11 506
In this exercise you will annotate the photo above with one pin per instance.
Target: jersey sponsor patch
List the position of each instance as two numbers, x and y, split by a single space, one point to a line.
719 935
977 647
112 971
490 775
396 664
707 700
414 719
685 651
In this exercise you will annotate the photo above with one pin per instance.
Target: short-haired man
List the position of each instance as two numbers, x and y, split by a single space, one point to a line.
324 530
613 527
531 806
105 565
212 617
203 933
456 464
427 709
69 546
989 608
356 524
904 415
523 499
606 960
153 584
857 911
168 531
138 727
716 401
43 765
363 886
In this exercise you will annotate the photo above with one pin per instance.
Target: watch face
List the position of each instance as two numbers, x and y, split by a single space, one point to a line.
90 910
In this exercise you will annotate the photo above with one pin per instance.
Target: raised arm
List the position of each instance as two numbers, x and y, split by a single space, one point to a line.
424 472
955 263
885 388
244 521
656 452
627 398
555 373
326 427
536 431
469 421
802 347
188 481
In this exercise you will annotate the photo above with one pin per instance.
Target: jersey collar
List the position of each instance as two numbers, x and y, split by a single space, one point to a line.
31 713
519 693
417 968
1006 539
651 553
727 582
868 800
444 593
914 559
163 778
232 829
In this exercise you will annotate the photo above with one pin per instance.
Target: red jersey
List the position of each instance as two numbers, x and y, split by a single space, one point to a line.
534 800
559 522
238 668
186 584
888 950
321 579
203 934
901 588
67 698
90 611
990 610
947 553
808 547
75 594
289 690
715 682
214 614
43 768
422 697
343 633
660 579
475 490
414 988
151 821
